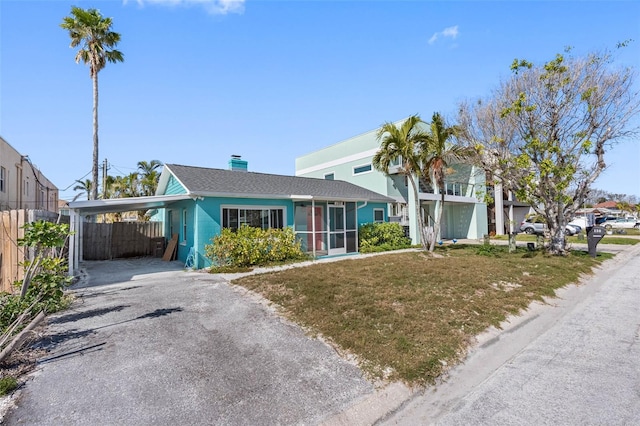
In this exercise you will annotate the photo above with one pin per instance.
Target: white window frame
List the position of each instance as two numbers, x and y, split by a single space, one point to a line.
374 215
354 173
254 207
3 179
330 174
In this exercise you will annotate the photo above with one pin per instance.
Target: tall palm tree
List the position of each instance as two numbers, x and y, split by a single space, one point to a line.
84 186
403 143
92 32
438 154
149 176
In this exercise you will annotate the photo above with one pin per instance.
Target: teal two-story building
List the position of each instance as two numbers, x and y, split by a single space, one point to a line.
465 212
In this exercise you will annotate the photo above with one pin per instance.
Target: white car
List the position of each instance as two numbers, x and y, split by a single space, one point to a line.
622 223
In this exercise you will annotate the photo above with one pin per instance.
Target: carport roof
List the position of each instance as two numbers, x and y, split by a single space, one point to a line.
113 205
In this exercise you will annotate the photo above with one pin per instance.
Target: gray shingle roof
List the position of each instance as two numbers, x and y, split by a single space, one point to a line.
206 181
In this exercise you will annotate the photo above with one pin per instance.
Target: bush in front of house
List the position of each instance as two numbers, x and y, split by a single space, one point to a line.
382 236
249 246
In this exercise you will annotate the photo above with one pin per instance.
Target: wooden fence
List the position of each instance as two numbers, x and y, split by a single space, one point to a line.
104 241
101 241
11 254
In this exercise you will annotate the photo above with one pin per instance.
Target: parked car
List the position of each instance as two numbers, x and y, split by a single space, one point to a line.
573 229
622 223
529 226
537 226
603 219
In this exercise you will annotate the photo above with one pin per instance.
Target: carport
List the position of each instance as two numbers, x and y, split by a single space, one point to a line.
78 210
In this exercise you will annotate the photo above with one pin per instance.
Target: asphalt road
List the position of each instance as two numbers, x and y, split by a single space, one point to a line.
573 362
147 343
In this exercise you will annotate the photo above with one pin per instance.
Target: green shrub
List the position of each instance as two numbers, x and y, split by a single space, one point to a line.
45 275
491 250
7 385
249 246
382 236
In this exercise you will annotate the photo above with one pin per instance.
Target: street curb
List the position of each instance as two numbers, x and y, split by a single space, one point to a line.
369 410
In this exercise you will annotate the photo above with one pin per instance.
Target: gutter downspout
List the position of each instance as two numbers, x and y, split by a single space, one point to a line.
196 236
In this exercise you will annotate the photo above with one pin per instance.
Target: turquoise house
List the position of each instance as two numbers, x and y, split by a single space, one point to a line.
324 214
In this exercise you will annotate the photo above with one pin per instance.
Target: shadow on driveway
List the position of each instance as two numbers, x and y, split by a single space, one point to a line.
163 346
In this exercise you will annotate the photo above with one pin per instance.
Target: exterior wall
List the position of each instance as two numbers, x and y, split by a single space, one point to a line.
341 159
204 220
365 214
174 187
24 186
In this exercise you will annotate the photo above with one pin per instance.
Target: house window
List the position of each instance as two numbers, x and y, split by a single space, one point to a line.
3 176
26 188
264 218
184 226
378 215
365 168
329 176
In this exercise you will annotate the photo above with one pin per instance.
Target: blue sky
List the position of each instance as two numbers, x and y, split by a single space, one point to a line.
273 80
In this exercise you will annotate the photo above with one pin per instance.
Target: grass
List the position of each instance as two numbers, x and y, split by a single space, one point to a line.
608 239
408 316
7 385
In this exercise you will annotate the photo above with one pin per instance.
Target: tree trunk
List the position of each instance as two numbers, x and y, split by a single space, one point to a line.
557 241
438 220
94 170
424 235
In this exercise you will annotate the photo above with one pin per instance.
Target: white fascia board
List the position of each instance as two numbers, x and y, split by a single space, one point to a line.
124 204
338 161
295 197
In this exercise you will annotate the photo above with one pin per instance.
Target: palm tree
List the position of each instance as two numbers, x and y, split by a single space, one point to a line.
438 154
92 32
403 143
84 186
149 176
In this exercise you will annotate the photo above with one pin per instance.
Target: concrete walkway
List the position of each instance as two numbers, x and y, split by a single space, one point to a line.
573 362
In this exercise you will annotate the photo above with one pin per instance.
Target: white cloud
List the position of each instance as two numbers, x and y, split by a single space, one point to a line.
216 7
451 32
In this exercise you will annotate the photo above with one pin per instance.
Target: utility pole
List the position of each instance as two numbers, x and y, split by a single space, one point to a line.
104 179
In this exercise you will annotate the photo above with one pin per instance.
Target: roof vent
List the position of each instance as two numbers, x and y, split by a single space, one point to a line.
237 163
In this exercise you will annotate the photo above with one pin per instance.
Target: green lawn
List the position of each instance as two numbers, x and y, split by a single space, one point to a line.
608 239
408 316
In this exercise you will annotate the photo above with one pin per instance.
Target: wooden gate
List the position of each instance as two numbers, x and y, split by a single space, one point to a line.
105 241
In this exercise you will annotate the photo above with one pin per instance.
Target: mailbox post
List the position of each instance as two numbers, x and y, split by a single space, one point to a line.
594 235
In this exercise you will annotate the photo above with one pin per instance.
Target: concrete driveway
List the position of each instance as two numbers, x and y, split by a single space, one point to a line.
148 343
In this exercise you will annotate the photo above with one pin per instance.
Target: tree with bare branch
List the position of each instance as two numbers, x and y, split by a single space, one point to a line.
544 132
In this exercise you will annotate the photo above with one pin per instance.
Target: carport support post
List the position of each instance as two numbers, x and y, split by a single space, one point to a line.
72 242
75 227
